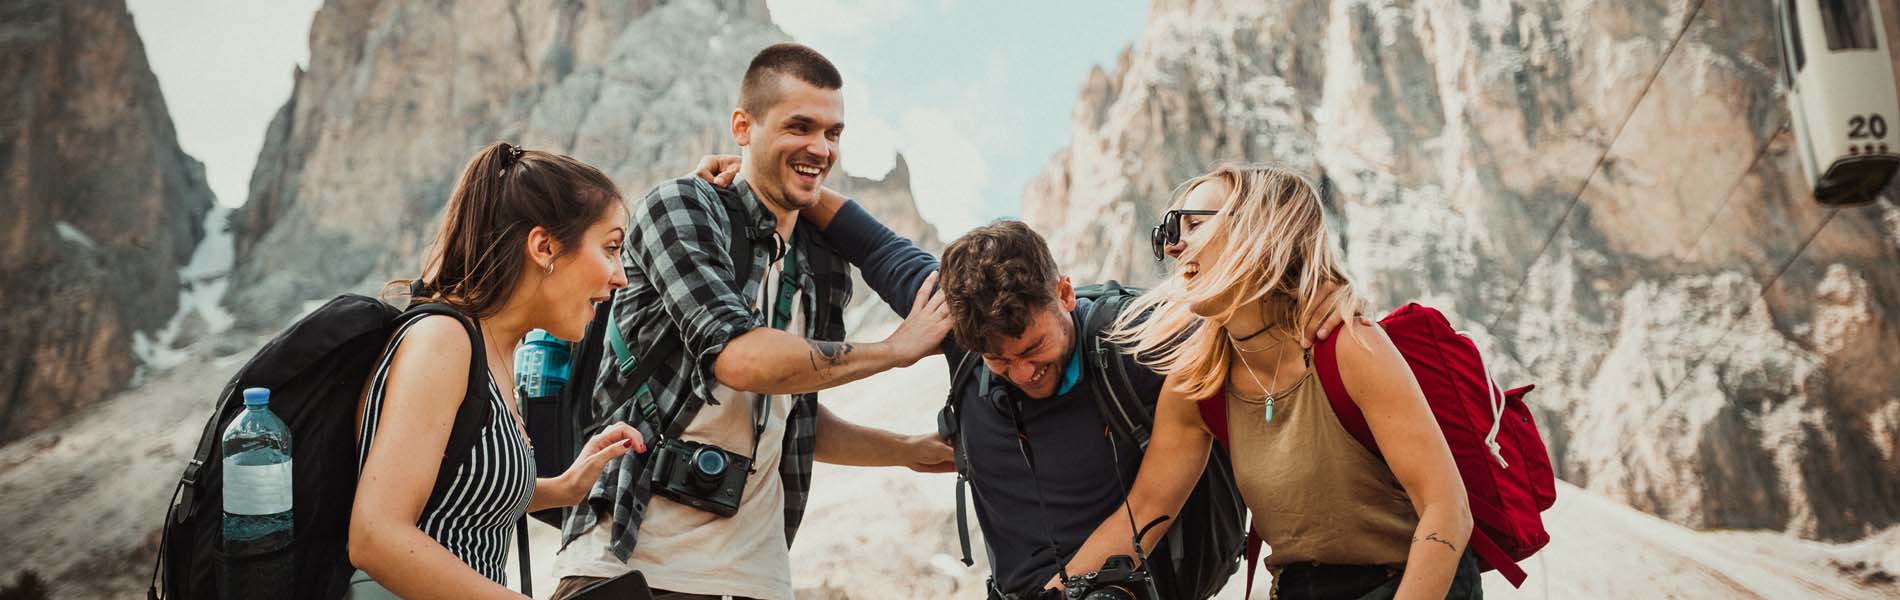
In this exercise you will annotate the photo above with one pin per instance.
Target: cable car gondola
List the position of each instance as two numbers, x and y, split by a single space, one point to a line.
1841 96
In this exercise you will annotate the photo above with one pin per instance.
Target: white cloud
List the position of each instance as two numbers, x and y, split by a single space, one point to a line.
943 139
869 145
948 171
811 19
842 29
870 142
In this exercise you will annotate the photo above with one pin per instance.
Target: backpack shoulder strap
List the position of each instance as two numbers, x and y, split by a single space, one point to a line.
470 416
1117 398
950 427
1253 557
1326 366
1214 414
637 371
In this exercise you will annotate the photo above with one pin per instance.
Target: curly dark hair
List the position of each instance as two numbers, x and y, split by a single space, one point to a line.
995 278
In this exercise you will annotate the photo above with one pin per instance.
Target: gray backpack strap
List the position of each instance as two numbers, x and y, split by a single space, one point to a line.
1120 405
950 427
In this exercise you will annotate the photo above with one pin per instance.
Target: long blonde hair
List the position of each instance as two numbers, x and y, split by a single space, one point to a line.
1276 253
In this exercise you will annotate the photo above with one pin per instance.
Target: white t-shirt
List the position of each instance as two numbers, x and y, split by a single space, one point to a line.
684 549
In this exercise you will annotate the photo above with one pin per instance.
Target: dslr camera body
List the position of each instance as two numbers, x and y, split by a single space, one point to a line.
1118 579
703 476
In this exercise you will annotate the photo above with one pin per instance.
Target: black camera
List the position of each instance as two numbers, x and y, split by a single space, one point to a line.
1118 579
702 476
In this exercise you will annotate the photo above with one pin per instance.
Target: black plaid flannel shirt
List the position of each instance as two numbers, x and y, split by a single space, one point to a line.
679 283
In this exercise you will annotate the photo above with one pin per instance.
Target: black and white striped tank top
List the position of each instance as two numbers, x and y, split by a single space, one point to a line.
472 512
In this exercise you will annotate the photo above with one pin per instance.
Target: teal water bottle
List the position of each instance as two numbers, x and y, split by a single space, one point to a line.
541 372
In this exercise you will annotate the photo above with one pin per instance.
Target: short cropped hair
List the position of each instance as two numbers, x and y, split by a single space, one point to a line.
759 90
995 278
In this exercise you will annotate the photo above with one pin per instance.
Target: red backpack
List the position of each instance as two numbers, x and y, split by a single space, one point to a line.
1494 440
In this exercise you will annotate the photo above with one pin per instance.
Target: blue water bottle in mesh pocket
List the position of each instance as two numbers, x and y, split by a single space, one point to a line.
542 365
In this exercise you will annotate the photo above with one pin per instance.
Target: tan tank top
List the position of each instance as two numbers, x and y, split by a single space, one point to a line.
1316 494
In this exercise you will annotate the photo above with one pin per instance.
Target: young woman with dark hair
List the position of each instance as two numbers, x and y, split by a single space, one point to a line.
531 240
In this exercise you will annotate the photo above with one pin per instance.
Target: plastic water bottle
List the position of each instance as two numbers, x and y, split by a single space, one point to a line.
541 371
541 365
257 500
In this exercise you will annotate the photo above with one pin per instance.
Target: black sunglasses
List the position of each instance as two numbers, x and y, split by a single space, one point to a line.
1168 233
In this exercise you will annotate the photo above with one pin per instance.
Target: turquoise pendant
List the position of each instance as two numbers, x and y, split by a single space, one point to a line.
1269 411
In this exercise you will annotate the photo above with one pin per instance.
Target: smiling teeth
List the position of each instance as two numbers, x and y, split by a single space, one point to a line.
806 170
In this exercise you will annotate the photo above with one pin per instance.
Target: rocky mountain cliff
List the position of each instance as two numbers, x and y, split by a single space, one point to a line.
358 164
102 208
1604 193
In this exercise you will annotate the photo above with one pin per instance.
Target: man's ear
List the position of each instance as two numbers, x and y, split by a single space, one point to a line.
1065 293
741 127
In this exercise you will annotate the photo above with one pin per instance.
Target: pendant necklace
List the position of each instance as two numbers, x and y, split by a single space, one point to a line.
1267 389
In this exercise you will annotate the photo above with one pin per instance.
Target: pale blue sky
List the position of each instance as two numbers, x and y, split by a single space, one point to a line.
976 93
225 68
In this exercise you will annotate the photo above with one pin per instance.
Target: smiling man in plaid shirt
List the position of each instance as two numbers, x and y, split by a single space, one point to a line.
762 348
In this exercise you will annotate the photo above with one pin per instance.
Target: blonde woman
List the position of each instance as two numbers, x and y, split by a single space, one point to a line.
1253 257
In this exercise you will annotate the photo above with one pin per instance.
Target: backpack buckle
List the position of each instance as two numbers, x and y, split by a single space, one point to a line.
947 424
192 471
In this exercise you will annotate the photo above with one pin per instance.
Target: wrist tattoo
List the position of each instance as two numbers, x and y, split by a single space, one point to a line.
826 356
1433 537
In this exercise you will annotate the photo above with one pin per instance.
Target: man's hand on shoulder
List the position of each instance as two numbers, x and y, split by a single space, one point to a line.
922 332
718 169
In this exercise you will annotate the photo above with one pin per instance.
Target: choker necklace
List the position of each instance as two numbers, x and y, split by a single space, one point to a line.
1255 334
1237 340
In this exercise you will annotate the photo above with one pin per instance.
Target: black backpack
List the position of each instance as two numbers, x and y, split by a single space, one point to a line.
1206 541
315 371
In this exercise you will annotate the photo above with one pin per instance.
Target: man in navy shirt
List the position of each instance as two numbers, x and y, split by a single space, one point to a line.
1025 326
1016 313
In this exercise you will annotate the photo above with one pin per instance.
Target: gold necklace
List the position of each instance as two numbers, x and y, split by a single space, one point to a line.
1267 389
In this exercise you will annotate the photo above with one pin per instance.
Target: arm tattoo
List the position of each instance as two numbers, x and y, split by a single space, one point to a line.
1433 537
826 356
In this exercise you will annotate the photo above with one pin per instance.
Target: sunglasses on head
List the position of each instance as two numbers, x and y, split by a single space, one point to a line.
1168 233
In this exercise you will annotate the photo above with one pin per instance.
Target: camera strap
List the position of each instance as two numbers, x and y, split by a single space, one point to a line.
1029 458
637 371
782 304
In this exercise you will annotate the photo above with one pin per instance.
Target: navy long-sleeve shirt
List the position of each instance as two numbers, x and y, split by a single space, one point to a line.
1075 470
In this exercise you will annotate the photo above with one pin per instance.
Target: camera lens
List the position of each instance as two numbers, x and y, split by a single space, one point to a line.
1109 593
709 463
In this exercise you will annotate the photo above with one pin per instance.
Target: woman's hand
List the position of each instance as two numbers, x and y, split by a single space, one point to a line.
613 442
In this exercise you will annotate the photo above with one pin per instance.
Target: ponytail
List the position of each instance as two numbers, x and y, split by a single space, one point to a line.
505 192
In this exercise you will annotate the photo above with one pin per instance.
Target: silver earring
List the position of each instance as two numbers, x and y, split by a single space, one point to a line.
550 269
